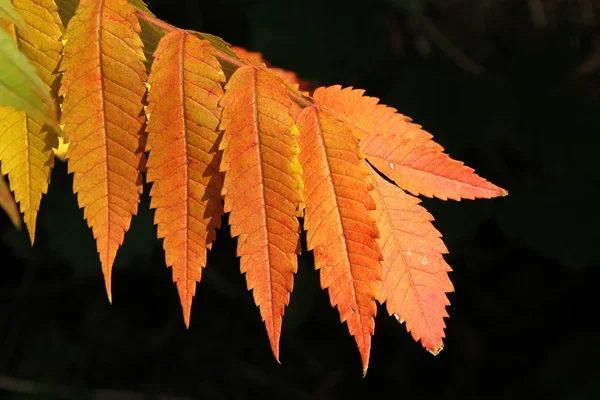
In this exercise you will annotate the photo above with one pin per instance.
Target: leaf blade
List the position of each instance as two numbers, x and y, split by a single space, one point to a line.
262 188
415 275
402 150
340 229
20 86
183 162
25 141
103 118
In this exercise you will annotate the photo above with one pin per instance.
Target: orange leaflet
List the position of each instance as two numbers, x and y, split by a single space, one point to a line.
415 275
183 163
402 150
262 188
103 117
340 228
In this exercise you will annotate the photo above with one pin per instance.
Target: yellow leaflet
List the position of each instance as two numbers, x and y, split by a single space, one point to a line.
25 141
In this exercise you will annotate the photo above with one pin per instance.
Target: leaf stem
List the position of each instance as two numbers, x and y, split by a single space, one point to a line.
221 56
165 26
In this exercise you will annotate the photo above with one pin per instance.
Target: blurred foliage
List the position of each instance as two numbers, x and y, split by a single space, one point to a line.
511 87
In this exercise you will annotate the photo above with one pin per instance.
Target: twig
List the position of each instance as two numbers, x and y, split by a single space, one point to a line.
588 15
63 392
165 26
538 14
451 51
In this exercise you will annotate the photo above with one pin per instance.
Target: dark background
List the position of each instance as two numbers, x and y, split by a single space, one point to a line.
511 87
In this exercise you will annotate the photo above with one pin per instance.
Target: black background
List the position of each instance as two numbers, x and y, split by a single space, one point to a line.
510 87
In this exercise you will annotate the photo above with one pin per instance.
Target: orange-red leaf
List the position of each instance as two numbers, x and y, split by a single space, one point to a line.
8 203
402 150
262 188
103 117
415 275
340 228
183 162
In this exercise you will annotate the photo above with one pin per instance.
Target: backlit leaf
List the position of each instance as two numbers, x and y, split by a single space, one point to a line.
262 188
20 86
183 161
415 275
25 141
402 150
103 87
340 229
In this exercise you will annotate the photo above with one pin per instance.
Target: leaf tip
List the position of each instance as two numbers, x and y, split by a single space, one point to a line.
31 231
275 349
61 149
186 297
400 320
186 316
107 285
437 351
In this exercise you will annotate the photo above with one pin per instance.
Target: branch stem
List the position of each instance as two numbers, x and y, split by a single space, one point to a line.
165 26
221 56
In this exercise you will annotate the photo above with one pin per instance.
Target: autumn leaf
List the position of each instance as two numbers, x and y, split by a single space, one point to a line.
8 204
262 188
340 229
415 275
103 117
271 152
183 161
20 86
25 141
402 150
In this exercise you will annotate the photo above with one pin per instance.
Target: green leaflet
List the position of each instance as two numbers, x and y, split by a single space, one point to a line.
20 86
8 13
